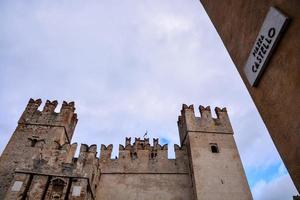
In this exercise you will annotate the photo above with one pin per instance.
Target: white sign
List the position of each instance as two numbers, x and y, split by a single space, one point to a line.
266 40
17 186
76 191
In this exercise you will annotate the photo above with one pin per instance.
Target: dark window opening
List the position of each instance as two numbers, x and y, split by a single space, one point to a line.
214 148
57 189
153 155
93 176
133 155
33 142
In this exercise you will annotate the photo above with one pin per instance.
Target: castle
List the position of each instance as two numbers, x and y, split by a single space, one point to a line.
38 162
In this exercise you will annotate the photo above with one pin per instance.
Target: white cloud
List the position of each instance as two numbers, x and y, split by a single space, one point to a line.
278 188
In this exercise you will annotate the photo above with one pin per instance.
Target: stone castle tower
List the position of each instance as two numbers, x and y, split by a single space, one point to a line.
39 163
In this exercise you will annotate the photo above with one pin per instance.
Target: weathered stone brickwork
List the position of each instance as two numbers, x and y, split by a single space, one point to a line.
142 171
39 163
277 95
216 169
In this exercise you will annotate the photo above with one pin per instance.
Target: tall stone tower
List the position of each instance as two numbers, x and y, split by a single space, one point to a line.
39 162
36 132
215 165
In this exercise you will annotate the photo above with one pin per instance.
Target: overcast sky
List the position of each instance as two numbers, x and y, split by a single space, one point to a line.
129 66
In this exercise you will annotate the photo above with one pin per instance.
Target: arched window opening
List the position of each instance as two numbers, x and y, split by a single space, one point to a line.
57 189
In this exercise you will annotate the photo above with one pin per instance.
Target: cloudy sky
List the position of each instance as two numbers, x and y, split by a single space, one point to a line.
129 66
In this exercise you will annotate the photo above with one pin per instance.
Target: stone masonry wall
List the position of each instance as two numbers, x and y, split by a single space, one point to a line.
143 172
215 165
35 131
277 95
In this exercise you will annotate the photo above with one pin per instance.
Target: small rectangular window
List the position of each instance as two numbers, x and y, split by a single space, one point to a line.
214 148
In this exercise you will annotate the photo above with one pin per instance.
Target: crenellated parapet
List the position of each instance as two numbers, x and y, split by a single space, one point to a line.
142 144
141 156
180 152
87 154
188 122
105 152
141 148
87 163
66 118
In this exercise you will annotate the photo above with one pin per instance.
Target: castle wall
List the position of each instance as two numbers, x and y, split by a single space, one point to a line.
142 172
20 154
48 187
52 177
143 163
144 187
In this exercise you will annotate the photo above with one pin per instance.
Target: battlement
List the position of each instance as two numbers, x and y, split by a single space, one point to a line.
131 151
48 116
141 156
84 148
140 146
87 153
144 144
66 118
87 162
188 122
